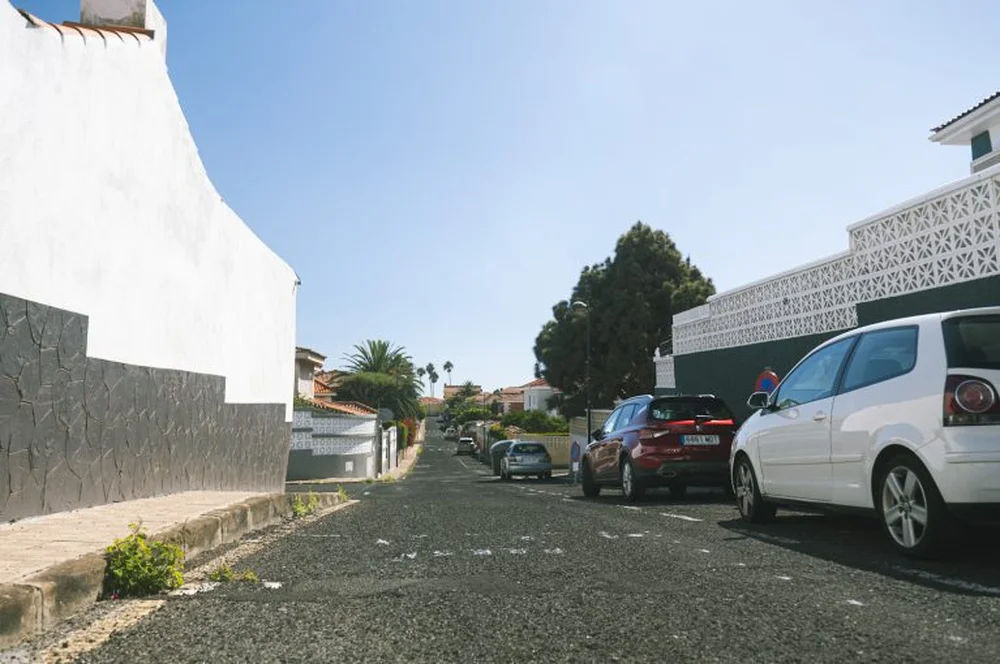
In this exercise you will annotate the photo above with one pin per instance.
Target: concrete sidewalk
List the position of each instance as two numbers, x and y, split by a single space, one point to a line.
53 566
34 544
410 456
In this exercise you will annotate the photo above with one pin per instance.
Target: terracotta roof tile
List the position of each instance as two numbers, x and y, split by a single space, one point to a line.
84 31
538 382
346 407
995 95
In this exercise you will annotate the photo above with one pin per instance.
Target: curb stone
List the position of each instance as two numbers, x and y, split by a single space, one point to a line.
33 605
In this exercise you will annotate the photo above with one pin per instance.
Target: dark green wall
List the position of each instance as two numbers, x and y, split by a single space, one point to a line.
731 373
977 293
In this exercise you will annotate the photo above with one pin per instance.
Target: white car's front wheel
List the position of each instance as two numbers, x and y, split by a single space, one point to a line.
912 511
752 505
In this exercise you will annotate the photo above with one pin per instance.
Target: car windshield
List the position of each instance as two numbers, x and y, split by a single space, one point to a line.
680 409
972 342
531 448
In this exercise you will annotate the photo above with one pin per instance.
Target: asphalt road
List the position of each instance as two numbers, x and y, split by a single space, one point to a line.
452 565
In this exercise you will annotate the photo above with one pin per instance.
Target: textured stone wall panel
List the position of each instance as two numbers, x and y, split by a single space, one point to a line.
78 431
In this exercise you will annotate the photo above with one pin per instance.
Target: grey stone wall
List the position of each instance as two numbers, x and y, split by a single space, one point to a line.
78 431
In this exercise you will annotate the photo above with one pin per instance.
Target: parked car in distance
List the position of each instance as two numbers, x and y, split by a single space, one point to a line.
671 441
450 433
526 458
497 452
899 419
465 445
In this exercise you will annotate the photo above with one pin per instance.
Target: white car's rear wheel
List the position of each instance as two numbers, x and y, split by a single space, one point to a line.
912 511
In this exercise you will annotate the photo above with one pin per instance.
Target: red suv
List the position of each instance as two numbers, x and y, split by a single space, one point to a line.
670 441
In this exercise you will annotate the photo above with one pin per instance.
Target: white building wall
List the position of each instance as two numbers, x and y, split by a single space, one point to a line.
304 379
536 398
106 210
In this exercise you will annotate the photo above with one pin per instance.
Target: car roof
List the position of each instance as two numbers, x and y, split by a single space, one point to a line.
919 319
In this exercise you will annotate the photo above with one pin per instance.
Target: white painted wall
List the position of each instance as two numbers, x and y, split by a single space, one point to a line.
304 379
106 210
536 398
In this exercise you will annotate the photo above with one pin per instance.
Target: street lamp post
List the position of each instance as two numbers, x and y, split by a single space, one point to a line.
580 303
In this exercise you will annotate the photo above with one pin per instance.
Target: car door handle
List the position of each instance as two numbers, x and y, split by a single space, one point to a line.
819 417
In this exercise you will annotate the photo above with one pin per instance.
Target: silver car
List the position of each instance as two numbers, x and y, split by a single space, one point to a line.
526 458
465 445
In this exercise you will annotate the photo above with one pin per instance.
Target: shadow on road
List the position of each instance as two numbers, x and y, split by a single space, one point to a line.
858 543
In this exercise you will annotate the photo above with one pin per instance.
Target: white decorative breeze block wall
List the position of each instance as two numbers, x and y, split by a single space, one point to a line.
333 434
946 237
664 372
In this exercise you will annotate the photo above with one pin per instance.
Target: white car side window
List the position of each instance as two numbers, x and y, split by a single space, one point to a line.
815 378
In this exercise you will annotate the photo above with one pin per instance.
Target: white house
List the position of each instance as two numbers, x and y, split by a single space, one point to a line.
977 128
537 394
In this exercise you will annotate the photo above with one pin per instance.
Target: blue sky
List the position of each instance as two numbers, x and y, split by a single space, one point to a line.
438 172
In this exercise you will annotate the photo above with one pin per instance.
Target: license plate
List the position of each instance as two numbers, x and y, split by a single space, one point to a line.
699 440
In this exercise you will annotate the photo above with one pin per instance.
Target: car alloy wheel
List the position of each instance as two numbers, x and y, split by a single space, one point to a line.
632 487
904 507
751 503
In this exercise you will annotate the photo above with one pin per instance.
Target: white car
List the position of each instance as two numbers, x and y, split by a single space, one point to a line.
900 419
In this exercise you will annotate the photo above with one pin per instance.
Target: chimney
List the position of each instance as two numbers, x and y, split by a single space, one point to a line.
142 14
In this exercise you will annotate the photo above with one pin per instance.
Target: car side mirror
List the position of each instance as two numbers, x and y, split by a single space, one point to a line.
758 400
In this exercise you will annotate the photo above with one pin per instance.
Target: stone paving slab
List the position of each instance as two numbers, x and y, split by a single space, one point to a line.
32 545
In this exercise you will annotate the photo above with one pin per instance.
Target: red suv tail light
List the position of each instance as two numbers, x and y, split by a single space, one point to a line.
969 400
652 435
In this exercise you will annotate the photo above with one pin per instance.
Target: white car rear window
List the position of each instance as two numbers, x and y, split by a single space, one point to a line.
972 342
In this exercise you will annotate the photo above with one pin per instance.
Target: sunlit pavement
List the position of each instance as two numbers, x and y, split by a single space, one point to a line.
454 565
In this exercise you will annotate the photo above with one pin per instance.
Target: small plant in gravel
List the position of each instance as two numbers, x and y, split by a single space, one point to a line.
225 574
140 566
303 507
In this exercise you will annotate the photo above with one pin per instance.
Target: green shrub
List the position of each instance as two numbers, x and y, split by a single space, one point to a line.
139 566
225 574
303 507
402 436
535 421
341 494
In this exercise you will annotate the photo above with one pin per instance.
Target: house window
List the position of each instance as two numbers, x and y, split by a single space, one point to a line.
981 145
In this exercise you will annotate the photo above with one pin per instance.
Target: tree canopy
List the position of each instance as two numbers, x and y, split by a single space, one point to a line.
631 300
382 376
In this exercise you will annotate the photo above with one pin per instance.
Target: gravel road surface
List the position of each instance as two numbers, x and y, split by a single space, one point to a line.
453 565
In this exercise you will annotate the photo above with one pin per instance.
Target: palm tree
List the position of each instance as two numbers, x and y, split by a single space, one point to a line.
379 356
448 366
431 375
383 376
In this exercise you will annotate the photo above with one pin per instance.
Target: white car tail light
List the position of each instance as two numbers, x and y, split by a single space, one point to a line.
969 400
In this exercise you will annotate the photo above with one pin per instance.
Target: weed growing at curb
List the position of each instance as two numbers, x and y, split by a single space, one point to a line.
387 478
138 566
369 480
225 574
342 494
302 508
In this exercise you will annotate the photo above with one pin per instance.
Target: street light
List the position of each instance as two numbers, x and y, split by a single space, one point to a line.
580 303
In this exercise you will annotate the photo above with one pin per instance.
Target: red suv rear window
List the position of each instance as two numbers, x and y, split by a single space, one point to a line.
972 342
675 409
